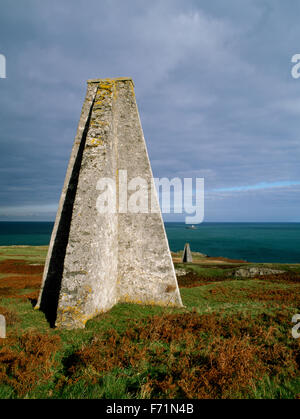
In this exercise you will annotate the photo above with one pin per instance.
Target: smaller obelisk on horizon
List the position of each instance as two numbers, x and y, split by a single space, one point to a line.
187 254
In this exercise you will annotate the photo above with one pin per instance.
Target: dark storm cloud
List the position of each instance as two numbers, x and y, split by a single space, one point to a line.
213 85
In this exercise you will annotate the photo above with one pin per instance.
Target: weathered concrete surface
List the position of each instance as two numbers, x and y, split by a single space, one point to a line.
187 255
52 277
146 273
94 259
2 327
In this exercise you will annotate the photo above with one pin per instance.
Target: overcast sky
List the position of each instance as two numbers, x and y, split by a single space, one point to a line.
213 84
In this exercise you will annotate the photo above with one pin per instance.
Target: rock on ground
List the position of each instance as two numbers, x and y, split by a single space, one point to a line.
254 271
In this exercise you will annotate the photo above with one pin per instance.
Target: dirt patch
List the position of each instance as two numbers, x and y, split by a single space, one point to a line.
18 282
219 258
19 266
20 276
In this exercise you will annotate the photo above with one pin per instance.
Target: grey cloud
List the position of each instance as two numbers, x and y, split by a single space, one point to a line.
213 86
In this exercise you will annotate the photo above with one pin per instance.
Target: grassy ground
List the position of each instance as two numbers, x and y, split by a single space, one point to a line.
231 340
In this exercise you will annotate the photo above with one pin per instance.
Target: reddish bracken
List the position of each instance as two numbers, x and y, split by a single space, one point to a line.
27 361
19 276
227 365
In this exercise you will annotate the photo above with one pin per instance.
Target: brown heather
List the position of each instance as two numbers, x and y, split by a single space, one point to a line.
187 355
192 356
27 361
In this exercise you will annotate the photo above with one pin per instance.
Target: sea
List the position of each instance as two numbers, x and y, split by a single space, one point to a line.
253 242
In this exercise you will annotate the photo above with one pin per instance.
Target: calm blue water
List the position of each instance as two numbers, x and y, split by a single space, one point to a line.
25 233
255 242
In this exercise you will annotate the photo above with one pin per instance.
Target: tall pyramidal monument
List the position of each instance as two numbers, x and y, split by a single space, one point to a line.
95 259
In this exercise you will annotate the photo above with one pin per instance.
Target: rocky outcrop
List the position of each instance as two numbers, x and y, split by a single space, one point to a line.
253 271
180 272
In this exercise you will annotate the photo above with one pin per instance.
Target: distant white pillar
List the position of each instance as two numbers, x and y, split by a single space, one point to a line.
2 67
187 254
2 327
